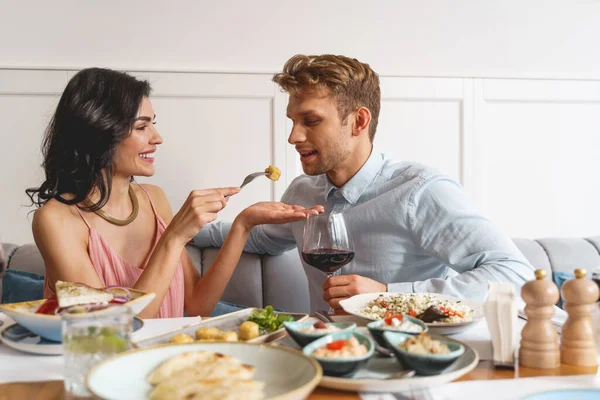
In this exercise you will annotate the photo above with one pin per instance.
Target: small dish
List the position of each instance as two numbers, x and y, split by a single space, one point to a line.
424 364
304 338
376 329
22 339
341 366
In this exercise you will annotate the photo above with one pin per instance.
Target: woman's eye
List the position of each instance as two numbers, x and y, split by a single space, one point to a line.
141 128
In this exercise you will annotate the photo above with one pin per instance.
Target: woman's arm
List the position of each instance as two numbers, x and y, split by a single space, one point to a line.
200 208
63 244
203 293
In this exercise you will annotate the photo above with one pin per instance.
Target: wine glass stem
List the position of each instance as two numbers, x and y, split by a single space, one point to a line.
331 310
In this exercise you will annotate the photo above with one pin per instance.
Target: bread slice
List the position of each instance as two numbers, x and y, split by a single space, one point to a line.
204 375
215 389
71 294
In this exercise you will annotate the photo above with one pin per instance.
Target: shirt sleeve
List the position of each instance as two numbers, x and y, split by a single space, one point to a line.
445 224
264 239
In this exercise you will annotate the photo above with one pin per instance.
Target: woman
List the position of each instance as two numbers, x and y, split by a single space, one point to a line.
96 226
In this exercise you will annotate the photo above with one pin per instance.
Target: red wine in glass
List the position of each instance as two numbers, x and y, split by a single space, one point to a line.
326 243
327 260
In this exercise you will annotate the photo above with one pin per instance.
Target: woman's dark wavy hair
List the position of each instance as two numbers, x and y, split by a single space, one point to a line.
95 114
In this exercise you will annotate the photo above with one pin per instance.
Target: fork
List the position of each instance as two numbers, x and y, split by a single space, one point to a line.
250 178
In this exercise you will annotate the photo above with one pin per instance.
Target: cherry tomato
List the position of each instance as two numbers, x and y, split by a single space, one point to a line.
320 325
412 313
48 306
388 320
336 345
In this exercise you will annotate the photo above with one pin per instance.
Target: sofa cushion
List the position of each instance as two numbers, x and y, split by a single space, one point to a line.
285 283
9 249
534 253
559 279
595 241
22 286
246 286
27 258
568 254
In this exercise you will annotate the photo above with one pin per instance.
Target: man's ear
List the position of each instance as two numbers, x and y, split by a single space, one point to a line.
362 120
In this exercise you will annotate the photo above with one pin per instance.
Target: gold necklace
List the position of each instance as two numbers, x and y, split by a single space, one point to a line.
121 222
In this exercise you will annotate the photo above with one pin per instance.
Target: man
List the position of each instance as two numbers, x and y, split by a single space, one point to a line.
414 229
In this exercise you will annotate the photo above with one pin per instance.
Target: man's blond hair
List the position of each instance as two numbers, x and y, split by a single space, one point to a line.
353 84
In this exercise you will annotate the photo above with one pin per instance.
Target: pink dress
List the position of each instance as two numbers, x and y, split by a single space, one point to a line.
114 270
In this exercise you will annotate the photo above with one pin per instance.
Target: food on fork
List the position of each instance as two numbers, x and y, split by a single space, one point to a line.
204 375
273 173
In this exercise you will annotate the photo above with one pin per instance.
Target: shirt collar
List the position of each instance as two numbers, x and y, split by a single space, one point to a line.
354 188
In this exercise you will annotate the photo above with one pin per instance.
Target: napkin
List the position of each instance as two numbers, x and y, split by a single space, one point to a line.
501 313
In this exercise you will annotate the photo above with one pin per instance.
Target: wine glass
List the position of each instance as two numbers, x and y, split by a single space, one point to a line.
327 245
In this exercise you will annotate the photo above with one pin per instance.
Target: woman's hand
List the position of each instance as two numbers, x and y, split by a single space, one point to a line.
274 213
200 208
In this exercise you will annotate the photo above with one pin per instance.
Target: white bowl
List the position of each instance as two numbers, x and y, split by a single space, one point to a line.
48 326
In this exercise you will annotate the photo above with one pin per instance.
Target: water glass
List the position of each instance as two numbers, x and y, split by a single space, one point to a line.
89 338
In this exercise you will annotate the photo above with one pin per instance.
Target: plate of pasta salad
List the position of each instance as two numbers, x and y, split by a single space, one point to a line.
441 313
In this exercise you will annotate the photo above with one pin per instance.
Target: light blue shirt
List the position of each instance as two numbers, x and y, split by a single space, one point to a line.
413 228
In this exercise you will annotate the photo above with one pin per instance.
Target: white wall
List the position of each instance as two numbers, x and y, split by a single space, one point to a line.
461 38
524 147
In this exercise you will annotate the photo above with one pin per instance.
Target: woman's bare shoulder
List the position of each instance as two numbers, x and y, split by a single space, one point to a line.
54 215
161 202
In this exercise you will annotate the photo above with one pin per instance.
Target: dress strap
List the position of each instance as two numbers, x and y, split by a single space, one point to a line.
150 199
82 217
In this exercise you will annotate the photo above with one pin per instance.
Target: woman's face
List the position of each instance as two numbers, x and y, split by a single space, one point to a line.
135 155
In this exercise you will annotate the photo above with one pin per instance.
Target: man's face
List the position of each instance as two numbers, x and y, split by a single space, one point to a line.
321 139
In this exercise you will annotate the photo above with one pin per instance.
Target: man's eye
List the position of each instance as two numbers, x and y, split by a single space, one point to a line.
310 122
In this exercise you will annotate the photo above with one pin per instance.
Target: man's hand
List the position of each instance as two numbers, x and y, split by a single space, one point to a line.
341 287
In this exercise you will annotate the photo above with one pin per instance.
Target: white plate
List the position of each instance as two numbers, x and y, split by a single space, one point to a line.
373 377
227 322
287 374
354 304
48 326
22 339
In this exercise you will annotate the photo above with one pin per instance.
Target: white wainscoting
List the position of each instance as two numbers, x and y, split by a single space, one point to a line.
536 155
523 149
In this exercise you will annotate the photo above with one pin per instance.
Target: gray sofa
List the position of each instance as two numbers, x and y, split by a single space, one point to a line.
280 280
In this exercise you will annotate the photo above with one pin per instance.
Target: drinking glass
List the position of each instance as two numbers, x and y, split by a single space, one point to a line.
327 245
89 338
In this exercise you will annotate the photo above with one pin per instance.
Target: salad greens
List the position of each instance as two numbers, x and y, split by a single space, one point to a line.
267 320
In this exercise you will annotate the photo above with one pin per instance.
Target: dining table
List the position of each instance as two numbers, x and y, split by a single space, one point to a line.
30 376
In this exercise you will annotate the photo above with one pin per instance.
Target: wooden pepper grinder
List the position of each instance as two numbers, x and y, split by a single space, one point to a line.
539 340
577 338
